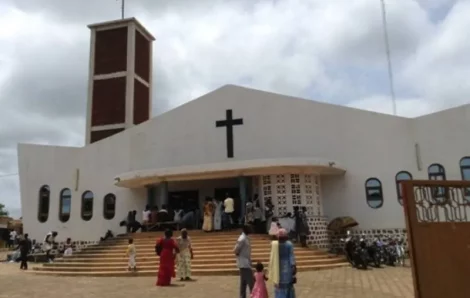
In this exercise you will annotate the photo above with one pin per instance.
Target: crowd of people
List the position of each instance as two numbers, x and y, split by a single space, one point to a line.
152 218
219 215
22 247
178 253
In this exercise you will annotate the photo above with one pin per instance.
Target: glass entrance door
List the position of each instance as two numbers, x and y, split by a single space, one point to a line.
186 200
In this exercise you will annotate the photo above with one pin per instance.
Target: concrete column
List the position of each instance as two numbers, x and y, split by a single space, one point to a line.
163 193
242 186
151 196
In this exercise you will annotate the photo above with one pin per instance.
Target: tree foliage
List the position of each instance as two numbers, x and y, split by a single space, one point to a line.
3 210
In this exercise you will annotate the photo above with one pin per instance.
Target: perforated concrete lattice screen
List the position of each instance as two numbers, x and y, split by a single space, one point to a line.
289 190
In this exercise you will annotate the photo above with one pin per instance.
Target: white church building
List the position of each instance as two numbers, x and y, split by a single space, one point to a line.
335 160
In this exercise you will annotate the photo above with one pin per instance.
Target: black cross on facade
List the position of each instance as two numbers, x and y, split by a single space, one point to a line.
229 122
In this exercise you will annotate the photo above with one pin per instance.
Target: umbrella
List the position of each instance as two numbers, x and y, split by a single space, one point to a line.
343 222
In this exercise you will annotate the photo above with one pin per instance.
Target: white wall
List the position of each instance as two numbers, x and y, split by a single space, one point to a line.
367 144
56 167
444 138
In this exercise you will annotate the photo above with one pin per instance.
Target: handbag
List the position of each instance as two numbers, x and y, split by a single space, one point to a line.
158 248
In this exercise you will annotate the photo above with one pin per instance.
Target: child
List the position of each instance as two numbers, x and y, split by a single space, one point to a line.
259 289
131 255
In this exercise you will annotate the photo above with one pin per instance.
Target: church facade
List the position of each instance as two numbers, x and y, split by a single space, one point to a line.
334 160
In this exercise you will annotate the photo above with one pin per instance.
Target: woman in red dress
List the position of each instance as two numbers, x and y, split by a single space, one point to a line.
167 249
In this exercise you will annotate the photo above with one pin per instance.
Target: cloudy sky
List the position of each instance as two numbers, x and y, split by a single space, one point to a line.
326 50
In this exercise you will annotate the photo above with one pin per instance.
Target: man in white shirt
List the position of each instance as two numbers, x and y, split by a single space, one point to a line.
146 217
229 208
13 236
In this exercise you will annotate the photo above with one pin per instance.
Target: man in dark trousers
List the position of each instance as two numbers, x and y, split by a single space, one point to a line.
298 223
25 247
243 252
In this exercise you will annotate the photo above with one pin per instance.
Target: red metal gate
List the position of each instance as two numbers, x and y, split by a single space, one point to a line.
438 226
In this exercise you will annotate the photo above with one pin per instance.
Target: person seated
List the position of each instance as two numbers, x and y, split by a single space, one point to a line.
133 225
274 229
153 215
164 208
68 247
126 222
109 234
188 219
163 215
178 215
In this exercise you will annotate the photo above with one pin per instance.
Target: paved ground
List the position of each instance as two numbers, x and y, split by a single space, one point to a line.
344 283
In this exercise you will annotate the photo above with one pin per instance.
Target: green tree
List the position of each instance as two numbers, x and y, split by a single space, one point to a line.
3 210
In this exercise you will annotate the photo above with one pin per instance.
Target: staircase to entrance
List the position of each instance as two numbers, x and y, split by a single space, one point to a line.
213 255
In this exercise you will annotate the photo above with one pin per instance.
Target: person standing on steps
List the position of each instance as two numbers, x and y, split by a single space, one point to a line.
243 253
269 213
304 231
131 254
217 215
146 218
207 225
229 209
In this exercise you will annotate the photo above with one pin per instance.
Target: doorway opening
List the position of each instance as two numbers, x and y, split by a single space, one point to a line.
186 200
220 194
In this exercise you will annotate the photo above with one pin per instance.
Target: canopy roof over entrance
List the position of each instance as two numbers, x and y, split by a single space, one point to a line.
137 179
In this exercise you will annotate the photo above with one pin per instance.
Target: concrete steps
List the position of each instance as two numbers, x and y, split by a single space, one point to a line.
155 260
198 272
213 256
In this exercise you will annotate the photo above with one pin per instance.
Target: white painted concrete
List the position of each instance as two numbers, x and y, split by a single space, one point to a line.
275 126
132 27
89 104
252 167
130 75
107 127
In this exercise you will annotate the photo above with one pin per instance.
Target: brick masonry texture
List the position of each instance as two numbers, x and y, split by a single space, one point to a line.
142 56
141 102
103 134
110 51
109 102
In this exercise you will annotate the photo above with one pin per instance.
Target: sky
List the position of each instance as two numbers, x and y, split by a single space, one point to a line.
325 50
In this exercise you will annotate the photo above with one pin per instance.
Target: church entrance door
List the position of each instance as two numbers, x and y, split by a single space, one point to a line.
186 200
234 193
438 225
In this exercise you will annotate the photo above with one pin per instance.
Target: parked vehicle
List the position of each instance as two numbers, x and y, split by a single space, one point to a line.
375 253
356 255
390 253
400 249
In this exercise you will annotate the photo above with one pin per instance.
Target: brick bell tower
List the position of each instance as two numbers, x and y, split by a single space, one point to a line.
120 78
